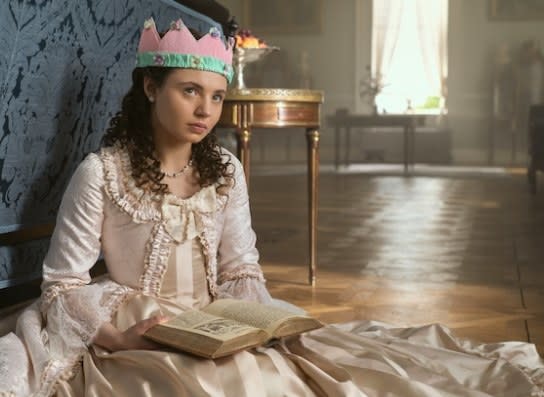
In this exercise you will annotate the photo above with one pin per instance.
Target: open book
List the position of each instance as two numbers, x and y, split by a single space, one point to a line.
229 325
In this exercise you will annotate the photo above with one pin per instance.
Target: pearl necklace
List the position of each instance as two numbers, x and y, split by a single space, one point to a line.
178 173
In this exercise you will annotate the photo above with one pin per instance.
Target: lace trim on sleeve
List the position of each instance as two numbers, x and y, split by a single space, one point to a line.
245 288
14 367
67 349
76 315
241 272
52 292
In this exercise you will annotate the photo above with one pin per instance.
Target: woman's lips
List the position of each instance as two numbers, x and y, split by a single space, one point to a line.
199 128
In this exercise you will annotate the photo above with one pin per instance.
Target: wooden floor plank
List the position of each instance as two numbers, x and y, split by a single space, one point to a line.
465 251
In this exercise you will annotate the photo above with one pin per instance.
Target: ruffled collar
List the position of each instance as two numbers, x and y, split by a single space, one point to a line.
182 216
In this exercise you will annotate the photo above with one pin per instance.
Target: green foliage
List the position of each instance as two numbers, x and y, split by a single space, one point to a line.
432 102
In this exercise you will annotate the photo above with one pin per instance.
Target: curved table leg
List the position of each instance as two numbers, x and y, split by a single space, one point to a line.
312 138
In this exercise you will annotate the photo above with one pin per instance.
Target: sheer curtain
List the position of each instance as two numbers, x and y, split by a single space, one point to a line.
409 54
386 25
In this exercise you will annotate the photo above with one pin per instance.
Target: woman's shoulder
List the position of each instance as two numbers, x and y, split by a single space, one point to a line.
95 165
90 170
100 169
87 180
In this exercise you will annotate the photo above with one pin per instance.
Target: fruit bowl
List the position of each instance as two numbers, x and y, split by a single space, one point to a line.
243 56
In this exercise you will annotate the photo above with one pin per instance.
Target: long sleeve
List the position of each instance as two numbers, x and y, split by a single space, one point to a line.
75 244
73 307
239 273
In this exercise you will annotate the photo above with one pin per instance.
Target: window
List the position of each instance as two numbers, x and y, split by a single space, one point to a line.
409 55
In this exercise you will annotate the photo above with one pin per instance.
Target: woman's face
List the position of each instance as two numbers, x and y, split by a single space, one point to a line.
187 105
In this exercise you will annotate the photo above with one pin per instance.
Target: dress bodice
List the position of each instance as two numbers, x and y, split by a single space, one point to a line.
185 277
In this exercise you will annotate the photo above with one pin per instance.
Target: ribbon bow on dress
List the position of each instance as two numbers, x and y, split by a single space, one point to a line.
183 217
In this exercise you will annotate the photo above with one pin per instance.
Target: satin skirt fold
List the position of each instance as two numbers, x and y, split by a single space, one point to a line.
352 359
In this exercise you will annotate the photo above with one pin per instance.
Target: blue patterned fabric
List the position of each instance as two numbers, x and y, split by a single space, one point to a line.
64 67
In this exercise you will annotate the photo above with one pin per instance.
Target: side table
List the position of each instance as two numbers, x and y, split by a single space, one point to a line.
344 120
251 108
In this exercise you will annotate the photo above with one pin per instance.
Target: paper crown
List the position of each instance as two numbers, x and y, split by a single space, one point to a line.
178 48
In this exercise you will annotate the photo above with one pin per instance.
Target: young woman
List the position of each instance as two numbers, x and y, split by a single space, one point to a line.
168 209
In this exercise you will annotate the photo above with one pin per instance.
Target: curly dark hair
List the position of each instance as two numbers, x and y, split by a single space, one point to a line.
131 128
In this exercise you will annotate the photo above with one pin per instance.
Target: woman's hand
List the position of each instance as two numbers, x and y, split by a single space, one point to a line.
133 339
113 340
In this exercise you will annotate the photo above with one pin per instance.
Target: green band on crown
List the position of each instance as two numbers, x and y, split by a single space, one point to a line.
169 60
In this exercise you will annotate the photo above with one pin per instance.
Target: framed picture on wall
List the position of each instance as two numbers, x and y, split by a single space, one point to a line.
284 16
512 10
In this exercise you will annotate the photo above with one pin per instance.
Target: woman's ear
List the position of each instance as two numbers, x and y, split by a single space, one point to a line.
150 89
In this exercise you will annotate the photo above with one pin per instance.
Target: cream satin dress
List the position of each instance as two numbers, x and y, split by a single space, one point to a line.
356 359
167 255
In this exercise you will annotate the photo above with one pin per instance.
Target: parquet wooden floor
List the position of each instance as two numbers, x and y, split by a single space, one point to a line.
462 249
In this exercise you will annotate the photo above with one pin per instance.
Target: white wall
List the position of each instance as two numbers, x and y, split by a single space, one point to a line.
473 39
341 45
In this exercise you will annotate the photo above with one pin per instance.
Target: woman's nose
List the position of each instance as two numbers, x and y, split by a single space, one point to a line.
203 108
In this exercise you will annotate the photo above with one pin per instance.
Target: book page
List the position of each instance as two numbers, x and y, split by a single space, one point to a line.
208 324
252 313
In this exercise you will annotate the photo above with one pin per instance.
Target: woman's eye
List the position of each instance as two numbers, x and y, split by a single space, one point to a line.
190 90
218 98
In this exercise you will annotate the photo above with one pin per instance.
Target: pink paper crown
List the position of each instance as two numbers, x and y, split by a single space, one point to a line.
178 48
